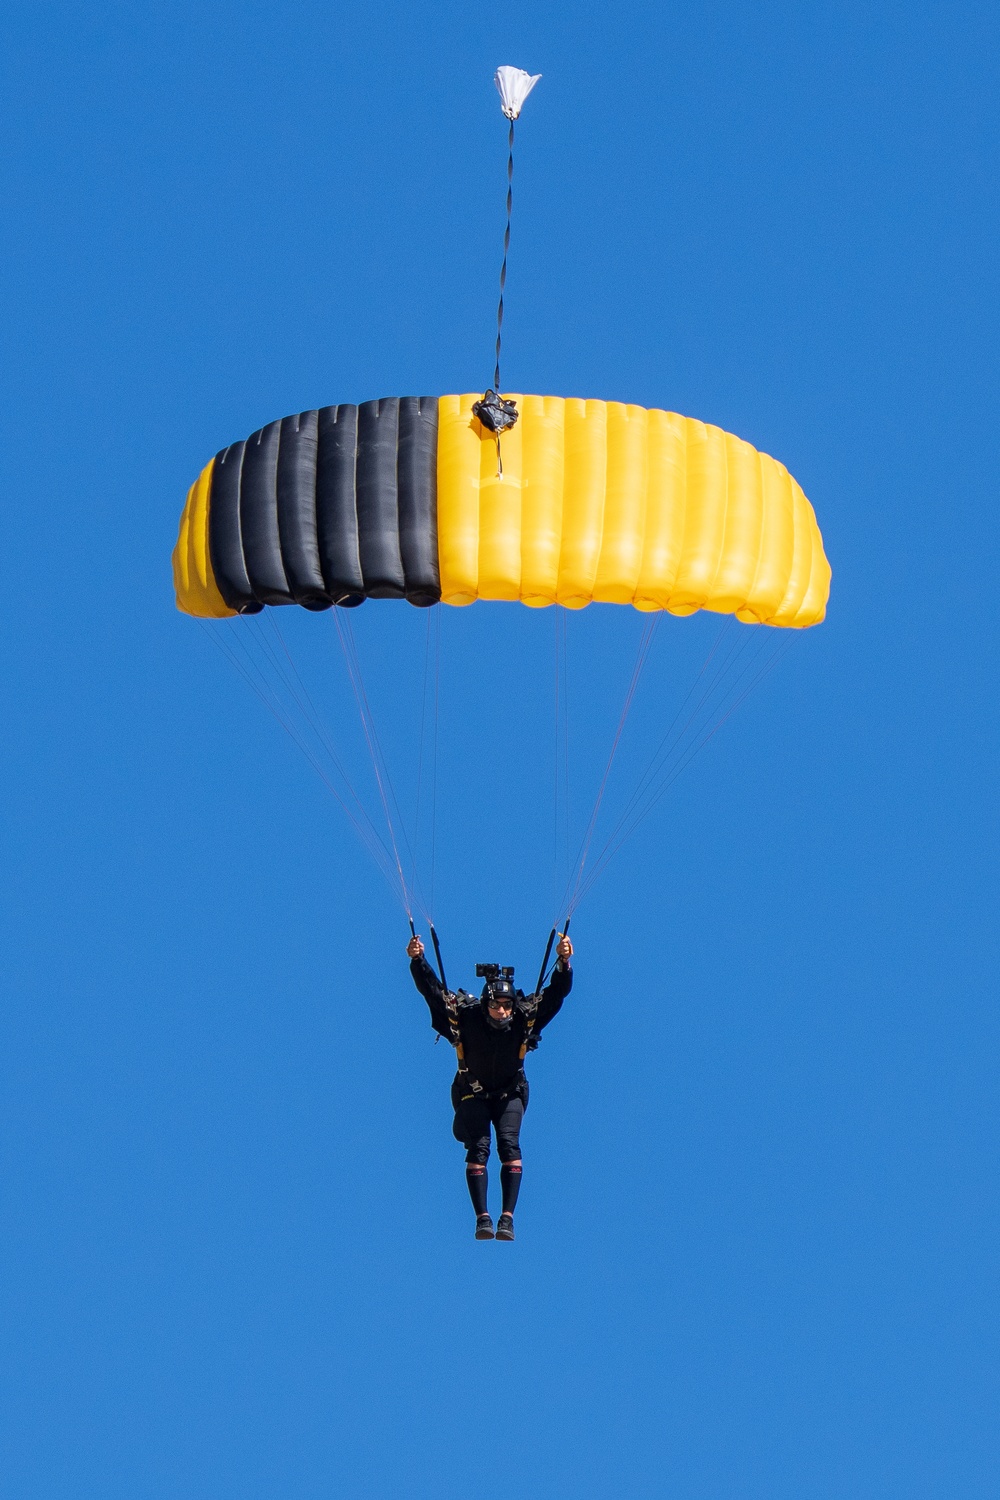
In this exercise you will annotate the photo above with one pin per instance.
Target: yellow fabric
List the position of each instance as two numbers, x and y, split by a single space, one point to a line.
601 502
194 582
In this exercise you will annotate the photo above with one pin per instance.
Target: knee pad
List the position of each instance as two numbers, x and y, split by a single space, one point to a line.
478 1154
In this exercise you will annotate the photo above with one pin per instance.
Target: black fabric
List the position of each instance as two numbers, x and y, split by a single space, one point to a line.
330 507
336 509
416 474
296 501
259 517
224 540
478 1181
474 1117
491 1055
378 509
510 1185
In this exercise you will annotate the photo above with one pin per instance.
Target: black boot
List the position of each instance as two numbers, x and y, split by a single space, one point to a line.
484 1227
505 1227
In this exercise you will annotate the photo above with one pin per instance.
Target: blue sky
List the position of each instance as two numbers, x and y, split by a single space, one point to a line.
756 1252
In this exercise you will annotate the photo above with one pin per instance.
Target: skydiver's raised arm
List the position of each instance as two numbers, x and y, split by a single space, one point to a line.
558 986
429 986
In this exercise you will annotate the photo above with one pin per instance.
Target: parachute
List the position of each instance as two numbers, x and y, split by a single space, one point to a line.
598 502
546 501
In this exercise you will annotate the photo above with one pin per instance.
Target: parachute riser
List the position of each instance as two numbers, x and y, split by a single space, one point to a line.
440 961
545 962
531 1006
451 1009
548 950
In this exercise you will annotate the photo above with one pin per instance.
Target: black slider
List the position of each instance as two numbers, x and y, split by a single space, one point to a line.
495 412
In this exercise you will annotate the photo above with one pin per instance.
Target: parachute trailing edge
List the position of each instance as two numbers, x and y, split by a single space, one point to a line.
598 502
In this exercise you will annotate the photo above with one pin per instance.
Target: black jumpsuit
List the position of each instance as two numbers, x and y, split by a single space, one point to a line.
492 1056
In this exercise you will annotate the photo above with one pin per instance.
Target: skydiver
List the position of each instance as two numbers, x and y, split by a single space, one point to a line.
490 1087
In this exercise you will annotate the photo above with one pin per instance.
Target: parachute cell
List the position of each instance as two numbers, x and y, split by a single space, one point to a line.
598 502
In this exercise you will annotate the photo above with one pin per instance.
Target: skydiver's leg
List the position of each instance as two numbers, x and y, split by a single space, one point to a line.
477 1180
472 1128
508 1129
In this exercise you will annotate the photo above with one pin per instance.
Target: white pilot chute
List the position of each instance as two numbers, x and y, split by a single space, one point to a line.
514 85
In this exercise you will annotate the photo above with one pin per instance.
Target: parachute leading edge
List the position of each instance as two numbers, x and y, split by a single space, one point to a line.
599 503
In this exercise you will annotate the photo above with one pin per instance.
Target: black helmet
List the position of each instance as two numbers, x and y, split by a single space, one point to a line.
498 989
499 986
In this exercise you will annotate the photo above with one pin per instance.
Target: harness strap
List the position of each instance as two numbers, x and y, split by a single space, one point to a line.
451 1009
529 1009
